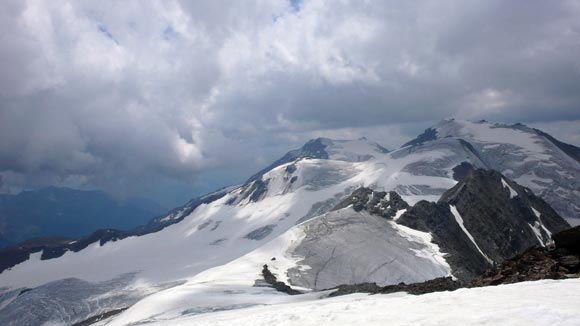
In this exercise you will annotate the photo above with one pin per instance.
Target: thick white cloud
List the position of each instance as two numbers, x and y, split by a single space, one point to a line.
126 94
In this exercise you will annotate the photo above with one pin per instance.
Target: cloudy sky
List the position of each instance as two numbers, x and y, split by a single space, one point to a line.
172 98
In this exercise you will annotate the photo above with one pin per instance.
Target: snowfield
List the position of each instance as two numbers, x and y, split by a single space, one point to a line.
211 259
530 303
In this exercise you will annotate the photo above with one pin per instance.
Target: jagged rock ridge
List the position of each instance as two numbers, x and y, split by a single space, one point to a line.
483 220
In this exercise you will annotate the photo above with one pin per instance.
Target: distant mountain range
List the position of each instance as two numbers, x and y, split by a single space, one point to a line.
68 213
459 199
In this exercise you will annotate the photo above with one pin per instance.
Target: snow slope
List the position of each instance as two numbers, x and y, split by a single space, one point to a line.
412 256
346 246
359 241
529 303
212 235
218 232
226 287
304 184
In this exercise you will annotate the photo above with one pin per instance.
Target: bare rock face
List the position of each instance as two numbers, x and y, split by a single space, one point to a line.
569 239
380 203
435 285
273 281
538 263
483 220
437 219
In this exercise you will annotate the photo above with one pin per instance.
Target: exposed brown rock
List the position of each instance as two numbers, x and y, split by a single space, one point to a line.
434 285
538 263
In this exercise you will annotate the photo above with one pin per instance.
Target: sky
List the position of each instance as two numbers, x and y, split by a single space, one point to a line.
170 99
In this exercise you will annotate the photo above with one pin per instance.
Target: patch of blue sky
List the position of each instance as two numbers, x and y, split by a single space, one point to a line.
294 4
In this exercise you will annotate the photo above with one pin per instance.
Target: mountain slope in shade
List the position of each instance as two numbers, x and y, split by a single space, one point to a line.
217 244
64 212
483 220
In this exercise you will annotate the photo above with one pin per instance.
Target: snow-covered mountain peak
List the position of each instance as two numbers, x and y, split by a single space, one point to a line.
517 134
355 150
526 155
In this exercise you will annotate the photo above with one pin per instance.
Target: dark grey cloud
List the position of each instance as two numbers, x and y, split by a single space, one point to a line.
131 95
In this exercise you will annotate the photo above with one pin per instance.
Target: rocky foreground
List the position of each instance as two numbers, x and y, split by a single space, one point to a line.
558 262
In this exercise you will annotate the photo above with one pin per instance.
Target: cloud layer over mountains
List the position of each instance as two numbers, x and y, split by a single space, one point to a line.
125 94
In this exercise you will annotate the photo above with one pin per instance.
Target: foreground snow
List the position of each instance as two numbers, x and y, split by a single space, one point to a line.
530 303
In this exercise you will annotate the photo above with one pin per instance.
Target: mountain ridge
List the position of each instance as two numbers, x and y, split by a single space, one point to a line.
220 242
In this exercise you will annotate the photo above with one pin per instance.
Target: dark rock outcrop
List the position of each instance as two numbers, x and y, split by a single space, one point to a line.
462 170
375 202
569 239
434 285
497 213
437 219
538 263
100 317
428 135
279 286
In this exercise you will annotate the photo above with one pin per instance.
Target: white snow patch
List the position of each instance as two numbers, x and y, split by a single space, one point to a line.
548 302
490 146
229 286
431 251
513 193
459 220
538 215
399 213
537 232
